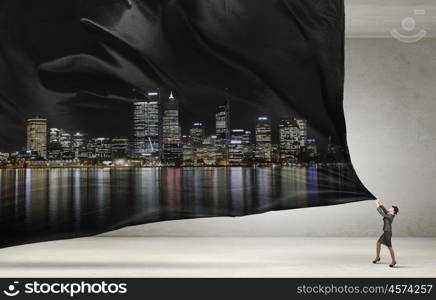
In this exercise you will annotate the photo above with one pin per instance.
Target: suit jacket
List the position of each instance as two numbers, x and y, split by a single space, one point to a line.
387 218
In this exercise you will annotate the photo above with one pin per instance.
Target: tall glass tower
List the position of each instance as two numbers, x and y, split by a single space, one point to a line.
54 144
120 149
171 131
198 134
222 125
37 136
147 127
240 147
222 118
263 153
302 125
80 142
289 134
60 145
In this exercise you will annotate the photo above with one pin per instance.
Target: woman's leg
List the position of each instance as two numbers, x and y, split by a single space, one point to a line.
377 250
392 252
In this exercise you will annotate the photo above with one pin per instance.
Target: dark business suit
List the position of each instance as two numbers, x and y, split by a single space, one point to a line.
385 238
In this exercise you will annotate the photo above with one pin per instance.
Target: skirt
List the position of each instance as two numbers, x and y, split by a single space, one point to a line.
385 238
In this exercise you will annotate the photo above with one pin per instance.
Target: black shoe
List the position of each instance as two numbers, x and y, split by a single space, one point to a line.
393 265
376 260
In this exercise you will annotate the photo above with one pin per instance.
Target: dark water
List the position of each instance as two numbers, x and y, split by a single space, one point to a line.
40 204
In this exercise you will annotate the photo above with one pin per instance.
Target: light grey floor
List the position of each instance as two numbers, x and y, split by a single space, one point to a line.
217 257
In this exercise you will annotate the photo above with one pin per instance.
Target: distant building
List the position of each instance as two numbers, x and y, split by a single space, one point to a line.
296 151
120 148
60 145
27 155
188 154
240 148
208 152
222 125
275 153
289 134
54 144
302 125
37 136
263 153
100 149
66 142
4 157
171 131
147 127
80 143
311 151
197 134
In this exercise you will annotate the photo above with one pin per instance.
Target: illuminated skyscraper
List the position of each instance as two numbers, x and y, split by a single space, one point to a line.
147 127
4 157
240 149
172 146
54 144
222 118
207 153
311 150
289 134
60 145
275 153
222 125
66 142
263 153
187 150
37 136
197 134
80 142
120 148
100 149
302 125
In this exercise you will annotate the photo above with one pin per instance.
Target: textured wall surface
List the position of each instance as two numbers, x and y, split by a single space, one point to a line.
377 18
390 105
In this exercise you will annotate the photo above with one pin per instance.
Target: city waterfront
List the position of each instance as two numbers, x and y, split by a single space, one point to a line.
46 203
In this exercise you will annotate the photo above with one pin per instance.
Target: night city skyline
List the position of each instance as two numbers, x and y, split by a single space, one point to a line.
160 139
